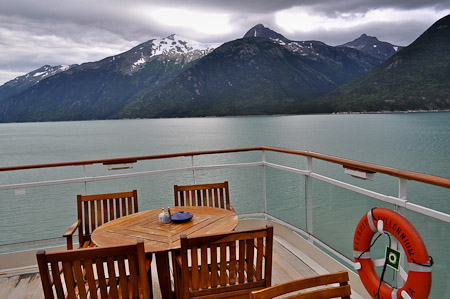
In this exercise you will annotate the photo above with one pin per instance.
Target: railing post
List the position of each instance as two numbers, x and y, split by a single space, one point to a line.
264 182
308 199
85 182
193 169
402 190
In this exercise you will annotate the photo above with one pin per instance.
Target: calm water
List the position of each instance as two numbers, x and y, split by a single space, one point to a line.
417 142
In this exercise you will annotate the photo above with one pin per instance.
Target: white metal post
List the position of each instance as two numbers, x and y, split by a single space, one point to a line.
193 169
402 190
308 199
264 181
85 182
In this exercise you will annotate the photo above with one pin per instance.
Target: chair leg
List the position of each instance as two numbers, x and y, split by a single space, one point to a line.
176 276
150 283
149 274
163 266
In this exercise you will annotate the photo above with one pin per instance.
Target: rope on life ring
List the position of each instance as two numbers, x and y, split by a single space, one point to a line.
418 280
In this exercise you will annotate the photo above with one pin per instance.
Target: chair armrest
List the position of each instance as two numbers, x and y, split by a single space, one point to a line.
69 233
71 230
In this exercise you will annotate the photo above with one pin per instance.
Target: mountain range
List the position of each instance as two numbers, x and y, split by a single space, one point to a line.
98 90
261 73
254 75
416 78
372 46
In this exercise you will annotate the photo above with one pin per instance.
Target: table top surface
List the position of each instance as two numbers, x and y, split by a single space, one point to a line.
162 237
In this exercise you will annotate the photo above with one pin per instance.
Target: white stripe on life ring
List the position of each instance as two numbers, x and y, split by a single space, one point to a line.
418 268
365 255
369 219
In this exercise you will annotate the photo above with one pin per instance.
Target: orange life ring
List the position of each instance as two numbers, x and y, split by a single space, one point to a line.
418 283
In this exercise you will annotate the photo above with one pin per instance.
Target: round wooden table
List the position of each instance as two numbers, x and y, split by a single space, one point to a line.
161 238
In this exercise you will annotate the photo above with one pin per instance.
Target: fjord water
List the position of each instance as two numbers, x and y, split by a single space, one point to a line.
410 141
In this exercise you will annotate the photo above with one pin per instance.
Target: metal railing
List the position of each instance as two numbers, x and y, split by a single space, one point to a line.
399 202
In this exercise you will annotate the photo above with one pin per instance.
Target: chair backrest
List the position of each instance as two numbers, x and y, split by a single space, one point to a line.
226 265
327 290
212 195
100 272
95 210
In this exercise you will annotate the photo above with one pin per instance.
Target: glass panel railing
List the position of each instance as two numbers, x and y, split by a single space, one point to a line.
156 191
286 197
46 211
245 185
30 214
436 236
429 196
336 213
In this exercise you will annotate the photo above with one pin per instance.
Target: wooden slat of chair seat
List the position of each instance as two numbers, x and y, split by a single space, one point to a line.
227 265
106 272
212 195
326 281
95 210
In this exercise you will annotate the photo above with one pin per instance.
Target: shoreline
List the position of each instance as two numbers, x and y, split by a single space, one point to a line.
236 116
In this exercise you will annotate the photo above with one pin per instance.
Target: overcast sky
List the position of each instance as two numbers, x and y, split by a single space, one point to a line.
34 33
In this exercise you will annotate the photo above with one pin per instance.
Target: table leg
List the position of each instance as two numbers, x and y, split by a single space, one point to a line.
162 264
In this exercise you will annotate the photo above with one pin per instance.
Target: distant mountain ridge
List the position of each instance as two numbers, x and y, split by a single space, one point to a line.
177 47
372 46
245 76
98 90
24 82
367 44
261 73
416 78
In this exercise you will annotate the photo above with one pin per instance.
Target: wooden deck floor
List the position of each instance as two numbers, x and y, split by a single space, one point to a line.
26 283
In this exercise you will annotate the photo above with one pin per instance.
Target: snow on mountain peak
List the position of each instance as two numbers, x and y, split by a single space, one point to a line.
178 48
174 44
38 74
47 71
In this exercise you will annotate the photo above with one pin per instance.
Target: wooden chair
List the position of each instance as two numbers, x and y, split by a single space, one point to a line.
212 195
229 265
100 272
325 281
94 210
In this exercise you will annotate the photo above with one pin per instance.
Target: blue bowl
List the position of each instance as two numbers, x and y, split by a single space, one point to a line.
180 217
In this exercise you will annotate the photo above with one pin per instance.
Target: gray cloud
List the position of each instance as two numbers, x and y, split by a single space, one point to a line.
34 33
268 6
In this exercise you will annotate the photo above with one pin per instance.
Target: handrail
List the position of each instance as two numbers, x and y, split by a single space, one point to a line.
403 174
125 159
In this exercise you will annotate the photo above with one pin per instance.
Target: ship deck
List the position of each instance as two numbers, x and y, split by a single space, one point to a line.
290 262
